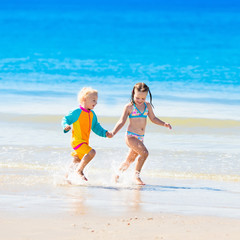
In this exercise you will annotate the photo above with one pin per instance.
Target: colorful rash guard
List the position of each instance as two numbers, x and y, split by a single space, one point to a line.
83 122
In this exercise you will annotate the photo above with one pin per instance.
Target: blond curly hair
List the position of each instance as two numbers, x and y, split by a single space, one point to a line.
84 92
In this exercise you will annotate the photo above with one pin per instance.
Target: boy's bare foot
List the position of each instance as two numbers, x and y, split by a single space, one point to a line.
82 176
68 181
138 180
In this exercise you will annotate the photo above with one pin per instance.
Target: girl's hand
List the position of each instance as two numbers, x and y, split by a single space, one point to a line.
67 128
109 134
167 125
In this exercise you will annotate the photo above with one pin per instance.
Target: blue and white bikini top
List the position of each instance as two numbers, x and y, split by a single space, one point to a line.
136 113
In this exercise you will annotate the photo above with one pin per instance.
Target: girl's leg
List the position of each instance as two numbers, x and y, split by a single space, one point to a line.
138 147
125 165
86 159
130 159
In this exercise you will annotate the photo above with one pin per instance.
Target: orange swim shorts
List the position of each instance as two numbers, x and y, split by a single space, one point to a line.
81 150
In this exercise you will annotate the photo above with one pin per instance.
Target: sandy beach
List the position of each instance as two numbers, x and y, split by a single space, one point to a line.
35 205
148 226
174 205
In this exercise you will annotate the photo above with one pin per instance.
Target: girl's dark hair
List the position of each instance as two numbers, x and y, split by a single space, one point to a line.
141 87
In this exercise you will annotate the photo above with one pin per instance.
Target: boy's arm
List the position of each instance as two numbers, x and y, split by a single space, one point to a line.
70 119
97 128
155 119
122 120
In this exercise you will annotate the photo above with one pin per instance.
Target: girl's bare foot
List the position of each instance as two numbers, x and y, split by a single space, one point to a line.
116 178
118 174
138 180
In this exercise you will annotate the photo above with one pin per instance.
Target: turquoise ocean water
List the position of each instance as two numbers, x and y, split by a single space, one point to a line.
188 54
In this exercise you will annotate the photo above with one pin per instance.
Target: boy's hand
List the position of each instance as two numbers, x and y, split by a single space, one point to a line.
109 134
67 128
168 125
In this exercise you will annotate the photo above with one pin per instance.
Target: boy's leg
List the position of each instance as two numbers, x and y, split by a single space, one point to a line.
83 163
73 165
76 159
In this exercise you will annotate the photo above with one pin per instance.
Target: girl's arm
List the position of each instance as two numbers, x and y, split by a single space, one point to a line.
155 119
122 120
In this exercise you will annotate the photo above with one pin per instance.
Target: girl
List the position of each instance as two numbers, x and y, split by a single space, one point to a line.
137 111
83 120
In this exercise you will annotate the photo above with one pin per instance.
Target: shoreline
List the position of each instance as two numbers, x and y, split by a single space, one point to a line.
175 120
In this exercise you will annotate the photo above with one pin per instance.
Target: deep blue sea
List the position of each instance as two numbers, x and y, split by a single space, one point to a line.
188 52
